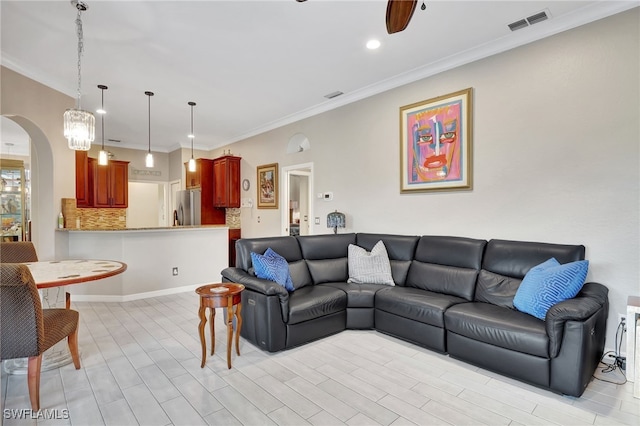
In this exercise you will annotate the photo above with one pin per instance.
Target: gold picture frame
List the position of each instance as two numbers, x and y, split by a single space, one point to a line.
436 144
267 186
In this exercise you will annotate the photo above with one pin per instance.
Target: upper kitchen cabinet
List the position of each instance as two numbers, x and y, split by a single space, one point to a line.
101 186
202 178
84 179
226 178
111 185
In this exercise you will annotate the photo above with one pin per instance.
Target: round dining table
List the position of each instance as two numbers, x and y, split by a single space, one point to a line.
56 273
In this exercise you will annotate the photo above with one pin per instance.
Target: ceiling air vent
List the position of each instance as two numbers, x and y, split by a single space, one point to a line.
538 17
518 24
334 95
530 20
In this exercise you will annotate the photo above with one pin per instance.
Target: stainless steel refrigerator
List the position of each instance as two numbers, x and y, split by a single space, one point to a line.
188 209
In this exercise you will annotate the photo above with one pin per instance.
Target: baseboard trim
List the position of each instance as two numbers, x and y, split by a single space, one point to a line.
131 297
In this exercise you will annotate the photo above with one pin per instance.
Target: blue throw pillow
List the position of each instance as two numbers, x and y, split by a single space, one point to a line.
549 283
273 267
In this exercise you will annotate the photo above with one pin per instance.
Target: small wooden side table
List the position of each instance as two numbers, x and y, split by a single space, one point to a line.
221 295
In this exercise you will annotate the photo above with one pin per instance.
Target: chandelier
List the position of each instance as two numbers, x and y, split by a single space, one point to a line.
79 125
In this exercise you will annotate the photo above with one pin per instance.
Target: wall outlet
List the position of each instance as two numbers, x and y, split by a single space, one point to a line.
174 271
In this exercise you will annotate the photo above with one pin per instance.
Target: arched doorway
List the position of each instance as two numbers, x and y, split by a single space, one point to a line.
43 207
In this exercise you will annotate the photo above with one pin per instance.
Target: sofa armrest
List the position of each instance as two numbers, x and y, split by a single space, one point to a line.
591 299
259 285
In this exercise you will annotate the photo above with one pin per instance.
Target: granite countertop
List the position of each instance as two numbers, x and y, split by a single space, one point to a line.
156 228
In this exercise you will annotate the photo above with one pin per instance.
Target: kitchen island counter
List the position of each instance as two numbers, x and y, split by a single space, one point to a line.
156 228
160 261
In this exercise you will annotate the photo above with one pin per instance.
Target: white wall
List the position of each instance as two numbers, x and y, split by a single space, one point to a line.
146 205
556 158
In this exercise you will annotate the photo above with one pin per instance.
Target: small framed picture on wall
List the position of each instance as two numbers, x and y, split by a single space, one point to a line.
268 186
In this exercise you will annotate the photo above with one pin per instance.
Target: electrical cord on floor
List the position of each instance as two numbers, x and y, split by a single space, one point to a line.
617 363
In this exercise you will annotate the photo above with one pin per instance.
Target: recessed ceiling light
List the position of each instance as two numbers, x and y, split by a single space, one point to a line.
373 44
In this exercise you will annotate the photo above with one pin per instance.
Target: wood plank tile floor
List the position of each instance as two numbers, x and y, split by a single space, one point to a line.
141 365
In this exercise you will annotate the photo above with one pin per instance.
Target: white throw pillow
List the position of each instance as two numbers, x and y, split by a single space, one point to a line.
370 268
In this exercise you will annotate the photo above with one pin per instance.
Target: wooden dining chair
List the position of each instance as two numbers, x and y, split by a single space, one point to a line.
26 329
18 252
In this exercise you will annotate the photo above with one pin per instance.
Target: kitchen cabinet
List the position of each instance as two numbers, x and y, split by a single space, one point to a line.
12 200
84 179
202 179
194 179
101 186
226 178
111 184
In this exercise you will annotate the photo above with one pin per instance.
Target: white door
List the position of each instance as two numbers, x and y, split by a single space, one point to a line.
297 200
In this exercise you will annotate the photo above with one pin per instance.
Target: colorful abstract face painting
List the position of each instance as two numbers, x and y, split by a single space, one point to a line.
436 144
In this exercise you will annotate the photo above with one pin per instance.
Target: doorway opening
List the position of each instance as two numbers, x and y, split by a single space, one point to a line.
297 199
148 205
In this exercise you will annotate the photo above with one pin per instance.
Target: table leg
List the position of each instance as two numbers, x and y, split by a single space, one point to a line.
212 317
238 326
229 328
203 320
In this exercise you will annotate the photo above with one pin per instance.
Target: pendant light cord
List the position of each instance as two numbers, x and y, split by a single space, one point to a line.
102 117
149 95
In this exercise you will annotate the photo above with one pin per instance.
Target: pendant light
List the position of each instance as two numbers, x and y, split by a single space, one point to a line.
149 159
103 158
79 125
192 161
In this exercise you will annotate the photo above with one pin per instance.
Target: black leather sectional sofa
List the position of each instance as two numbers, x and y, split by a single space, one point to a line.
452 294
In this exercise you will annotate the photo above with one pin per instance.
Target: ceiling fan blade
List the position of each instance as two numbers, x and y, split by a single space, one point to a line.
399 13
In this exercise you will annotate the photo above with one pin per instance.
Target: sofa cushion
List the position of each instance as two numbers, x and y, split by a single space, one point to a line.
273 267
358 295
329 246
300 274
549 283
515 258
369 267
415 304
286 247
328 270
498 326
399 247
496 289
452 251
443 279
315 301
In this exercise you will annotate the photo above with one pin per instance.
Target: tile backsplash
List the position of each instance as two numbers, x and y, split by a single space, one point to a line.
92 218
